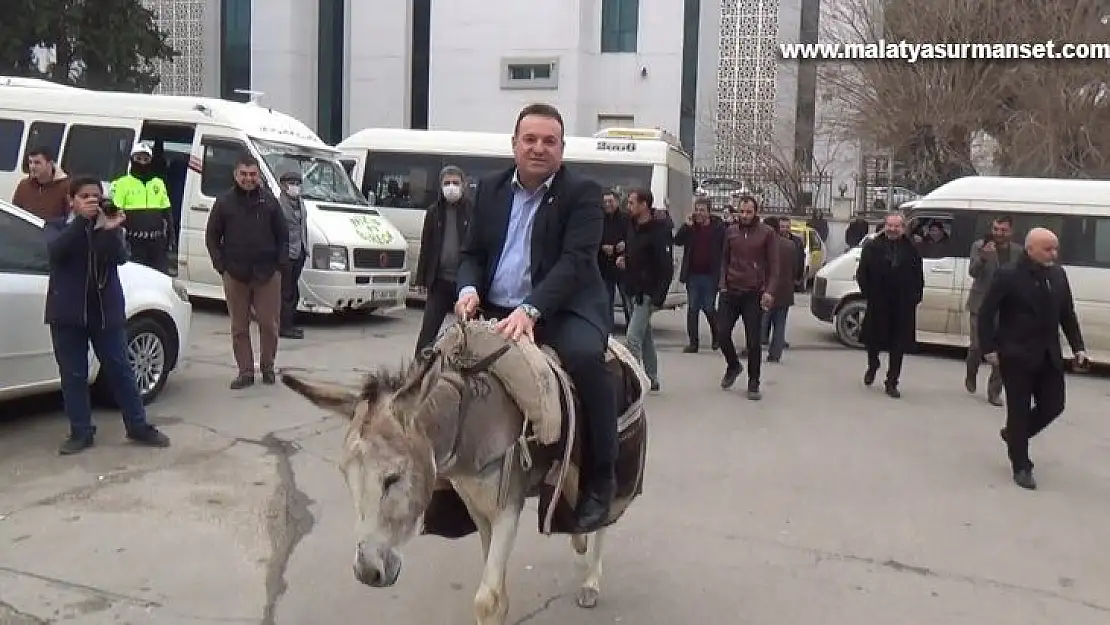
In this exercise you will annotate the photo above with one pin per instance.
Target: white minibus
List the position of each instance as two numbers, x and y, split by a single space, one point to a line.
399 170
1078 211
357 258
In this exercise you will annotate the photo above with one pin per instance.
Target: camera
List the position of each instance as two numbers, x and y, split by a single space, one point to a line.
108 208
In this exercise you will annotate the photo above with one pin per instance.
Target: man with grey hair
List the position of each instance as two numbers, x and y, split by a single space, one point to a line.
1027 304
296 221
446 223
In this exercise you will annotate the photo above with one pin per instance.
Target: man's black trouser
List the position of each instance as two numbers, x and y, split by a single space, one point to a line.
1034 398
148 238
440 301
614 289
730 308
894 368
290 292
581 349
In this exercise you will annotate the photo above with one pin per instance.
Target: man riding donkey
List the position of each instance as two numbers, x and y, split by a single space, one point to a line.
531 261
465 411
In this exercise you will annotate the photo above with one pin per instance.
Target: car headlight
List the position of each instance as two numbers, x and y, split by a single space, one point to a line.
330 258
181 291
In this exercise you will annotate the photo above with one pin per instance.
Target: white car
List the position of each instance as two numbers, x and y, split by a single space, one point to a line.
157 308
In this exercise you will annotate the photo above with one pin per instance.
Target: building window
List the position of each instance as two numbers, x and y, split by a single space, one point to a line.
615 121
329 94
235 49
421 63
620 25
529 74
688 107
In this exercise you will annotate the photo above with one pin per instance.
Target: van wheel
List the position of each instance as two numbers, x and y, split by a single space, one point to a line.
849 322
148 350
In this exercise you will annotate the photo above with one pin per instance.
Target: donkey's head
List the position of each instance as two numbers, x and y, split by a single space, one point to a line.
398 420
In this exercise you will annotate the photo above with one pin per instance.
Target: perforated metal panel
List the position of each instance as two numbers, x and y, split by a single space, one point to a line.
184 21
746 82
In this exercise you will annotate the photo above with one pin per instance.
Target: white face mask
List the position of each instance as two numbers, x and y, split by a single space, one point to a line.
452 192
293 190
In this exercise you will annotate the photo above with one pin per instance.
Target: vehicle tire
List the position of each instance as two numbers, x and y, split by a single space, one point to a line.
848 321
150 351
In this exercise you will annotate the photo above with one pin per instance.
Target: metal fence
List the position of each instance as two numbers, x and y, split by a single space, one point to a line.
799 196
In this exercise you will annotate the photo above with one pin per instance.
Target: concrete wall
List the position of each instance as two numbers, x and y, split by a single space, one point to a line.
378 64
283 55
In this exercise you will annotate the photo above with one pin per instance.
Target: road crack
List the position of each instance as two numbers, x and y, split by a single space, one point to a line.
11 615
544 607
290 520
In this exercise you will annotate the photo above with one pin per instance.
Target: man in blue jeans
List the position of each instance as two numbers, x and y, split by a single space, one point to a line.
703 237
84 305
648 269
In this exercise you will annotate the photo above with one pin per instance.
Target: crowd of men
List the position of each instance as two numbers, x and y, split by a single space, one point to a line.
257 243
484 253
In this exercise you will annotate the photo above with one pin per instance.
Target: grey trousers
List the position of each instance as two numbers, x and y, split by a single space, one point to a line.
975 358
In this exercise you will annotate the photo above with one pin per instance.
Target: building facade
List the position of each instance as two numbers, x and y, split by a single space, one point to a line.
705 70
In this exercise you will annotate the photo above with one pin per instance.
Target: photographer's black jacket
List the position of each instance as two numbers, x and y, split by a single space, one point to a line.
84 285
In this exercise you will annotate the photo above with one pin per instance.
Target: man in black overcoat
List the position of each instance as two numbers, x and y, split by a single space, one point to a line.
892 280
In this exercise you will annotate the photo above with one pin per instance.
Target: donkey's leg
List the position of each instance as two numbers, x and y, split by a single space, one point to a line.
580 543
491 603
591 586
480 520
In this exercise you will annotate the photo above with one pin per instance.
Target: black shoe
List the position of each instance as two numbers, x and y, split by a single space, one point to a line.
730 376
869 377
892 391
995 400
1024 479
692 348
149 437
269 377
654 387
242 381
774 359
754 393
292 333
593 508
971 384
75 445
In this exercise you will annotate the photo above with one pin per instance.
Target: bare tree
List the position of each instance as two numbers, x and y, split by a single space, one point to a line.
1049 117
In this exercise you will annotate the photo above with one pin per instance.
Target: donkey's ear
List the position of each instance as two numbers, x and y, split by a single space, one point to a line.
338 399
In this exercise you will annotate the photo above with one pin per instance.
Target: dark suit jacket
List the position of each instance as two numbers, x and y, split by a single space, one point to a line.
566 237
1032 304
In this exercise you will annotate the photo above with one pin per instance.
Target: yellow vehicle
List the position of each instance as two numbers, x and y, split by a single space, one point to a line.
815 248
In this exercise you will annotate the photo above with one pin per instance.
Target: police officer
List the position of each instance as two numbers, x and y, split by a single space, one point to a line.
143 196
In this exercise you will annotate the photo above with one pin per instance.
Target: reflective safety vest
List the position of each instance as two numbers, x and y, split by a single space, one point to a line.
130 194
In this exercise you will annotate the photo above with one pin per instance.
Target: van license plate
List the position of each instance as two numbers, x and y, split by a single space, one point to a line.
382 296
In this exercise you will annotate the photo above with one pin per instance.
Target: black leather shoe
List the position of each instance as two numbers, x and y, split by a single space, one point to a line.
291 333
75 444
869 377
729 378
593 508
892 391
1024 479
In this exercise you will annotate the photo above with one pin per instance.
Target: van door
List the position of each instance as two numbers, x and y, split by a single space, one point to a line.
942 286
211 173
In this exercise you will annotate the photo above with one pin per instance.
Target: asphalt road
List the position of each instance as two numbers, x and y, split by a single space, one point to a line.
826 503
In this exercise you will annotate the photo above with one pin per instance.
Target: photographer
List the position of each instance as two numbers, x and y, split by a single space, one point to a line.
84 305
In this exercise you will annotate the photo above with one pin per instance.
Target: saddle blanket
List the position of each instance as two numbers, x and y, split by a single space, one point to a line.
558 492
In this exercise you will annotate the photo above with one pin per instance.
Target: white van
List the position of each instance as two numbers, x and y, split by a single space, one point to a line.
399 169
357 257
1078 211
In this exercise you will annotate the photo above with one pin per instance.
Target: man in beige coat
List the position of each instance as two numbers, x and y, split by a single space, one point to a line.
987 255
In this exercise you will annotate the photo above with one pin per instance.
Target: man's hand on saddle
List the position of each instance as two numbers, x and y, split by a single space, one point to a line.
516 326
466 306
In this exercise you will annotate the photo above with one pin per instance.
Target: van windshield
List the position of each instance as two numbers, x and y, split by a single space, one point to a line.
325 179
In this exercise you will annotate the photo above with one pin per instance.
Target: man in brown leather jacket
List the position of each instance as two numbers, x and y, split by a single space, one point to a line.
749 268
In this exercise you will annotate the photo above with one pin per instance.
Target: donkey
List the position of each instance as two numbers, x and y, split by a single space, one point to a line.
438 419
